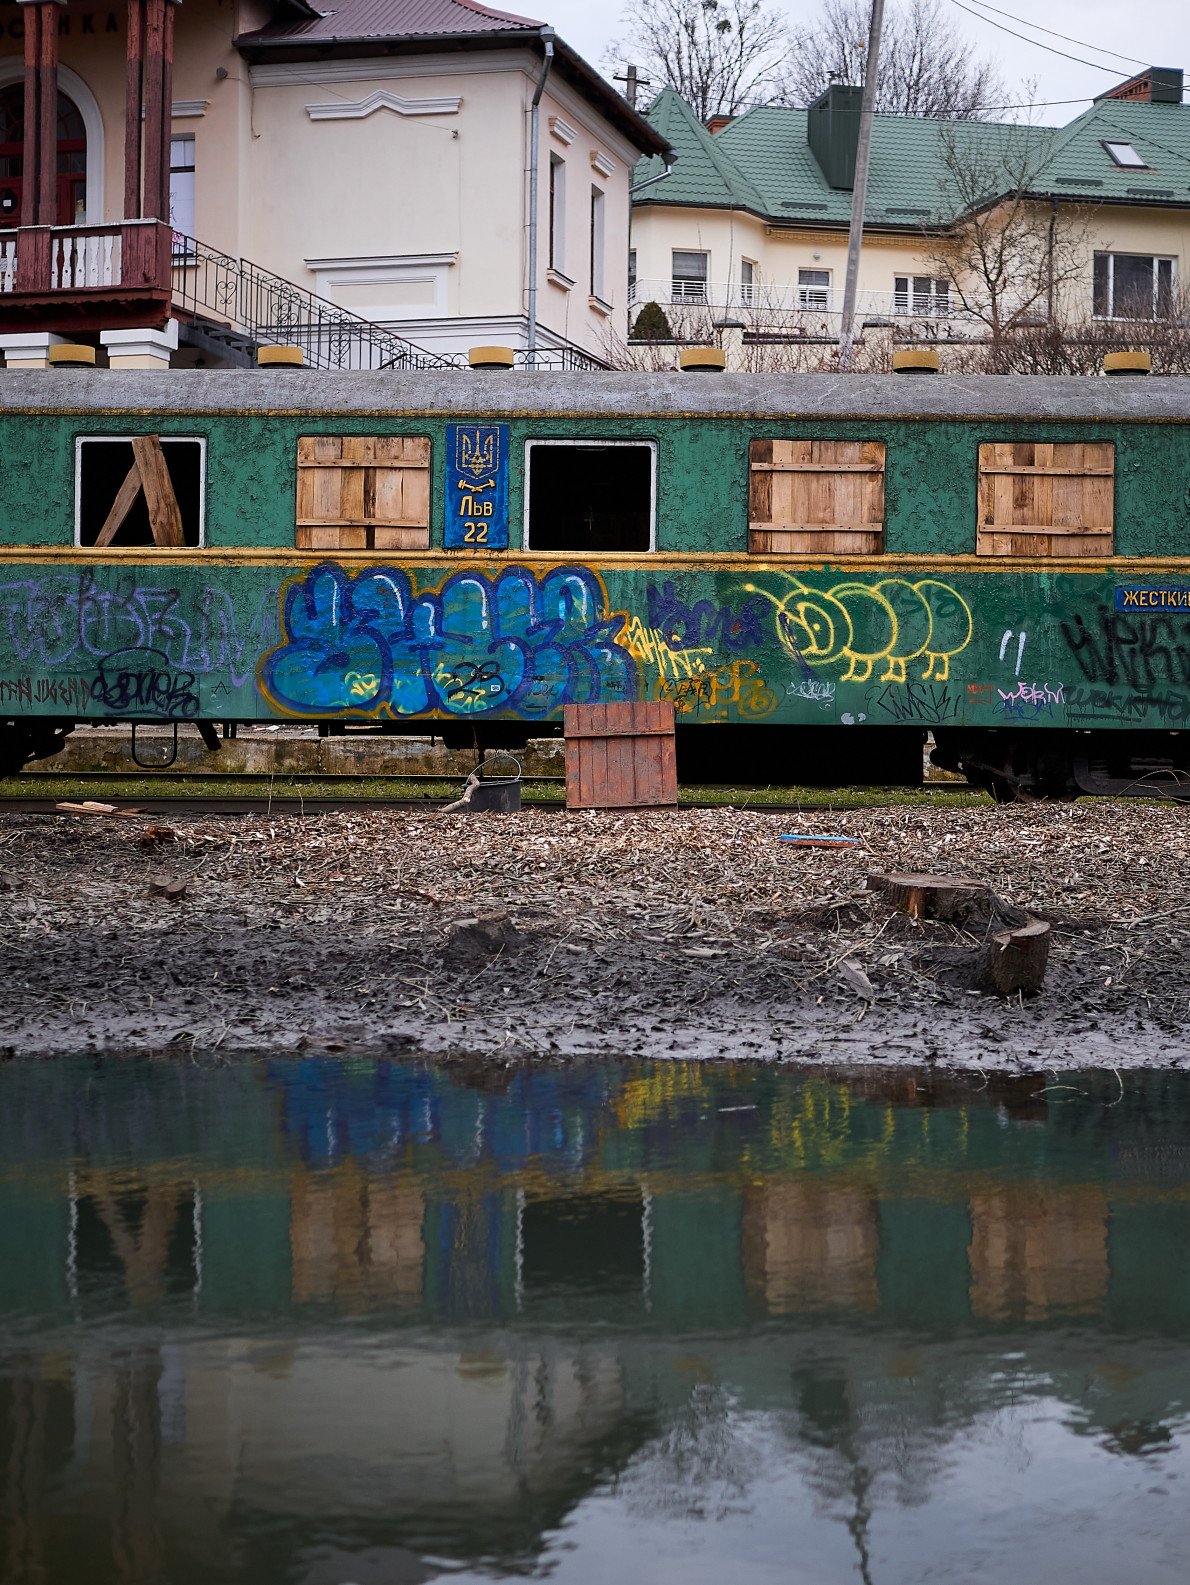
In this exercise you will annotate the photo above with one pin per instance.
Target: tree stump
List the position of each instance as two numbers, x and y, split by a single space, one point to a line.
471 942
1015 960
932 896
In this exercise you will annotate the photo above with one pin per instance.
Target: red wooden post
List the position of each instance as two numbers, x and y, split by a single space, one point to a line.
167 103
133 109
31 18
145 254
35 258
158 83
47 73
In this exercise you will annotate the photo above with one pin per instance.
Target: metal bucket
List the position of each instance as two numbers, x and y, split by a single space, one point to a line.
497 794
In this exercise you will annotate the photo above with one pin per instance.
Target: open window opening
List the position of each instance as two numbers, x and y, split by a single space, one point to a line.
139 490
590 496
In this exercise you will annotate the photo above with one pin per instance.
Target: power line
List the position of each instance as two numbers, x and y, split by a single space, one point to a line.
1036 43
1037 28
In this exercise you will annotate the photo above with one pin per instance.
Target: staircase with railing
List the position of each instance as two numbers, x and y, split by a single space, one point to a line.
233 306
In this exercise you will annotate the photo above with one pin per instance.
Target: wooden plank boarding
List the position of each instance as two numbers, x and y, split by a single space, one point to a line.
1046 498
363 492
149 472
621 755
816 497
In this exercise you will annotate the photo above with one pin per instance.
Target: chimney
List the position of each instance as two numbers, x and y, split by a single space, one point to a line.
832 130
1156 85
717 123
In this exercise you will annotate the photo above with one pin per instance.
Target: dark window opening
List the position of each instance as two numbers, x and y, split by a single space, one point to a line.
583 1243
590 498
110 474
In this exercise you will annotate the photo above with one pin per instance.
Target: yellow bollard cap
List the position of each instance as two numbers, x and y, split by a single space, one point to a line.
280 358
71 355
705 360
1127 363
916 360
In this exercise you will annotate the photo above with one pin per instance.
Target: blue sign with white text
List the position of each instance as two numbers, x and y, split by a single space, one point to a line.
476 487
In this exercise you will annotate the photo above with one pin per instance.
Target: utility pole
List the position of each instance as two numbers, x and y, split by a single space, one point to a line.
859 191
633 83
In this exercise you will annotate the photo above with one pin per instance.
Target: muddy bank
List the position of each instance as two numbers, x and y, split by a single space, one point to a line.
692 934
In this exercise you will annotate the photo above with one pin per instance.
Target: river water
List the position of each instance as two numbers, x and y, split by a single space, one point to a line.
339 1323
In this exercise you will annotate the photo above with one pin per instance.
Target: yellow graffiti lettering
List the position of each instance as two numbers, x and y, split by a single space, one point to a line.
648 646
361 684
858 626
711 694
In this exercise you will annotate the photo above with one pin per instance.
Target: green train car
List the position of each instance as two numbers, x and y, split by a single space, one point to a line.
821 568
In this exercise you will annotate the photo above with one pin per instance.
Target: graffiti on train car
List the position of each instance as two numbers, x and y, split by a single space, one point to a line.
133 645
367 644
860 625
709 623
1141 651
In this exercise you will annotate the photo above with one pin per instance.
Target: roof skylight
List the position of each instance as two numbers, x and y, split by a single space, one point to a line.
1125 155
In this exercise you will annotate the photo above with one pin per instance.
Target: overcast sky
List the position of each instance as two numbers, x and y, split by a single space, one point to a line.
1148 32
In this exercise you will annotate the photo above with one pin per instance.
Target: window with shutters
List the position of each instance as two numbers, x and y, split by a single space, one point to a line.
817 497
363 492
139 490
1046 498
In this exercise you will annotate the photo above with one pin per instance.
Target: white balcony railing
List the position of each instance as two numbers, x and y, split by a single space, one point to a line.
84 256
8 260
757 299
35 260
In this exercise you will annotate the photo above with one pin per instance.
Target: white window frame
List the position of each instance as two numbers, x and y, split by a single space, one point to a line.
1155 259
814 295
686 291
166 440
1122 162
939 289
557 214
183 193
748 284
598 232
588 443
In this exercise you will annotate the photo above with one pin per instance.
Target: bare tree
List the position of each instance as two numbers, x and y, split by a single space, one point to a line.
1007 252
720 55
926 68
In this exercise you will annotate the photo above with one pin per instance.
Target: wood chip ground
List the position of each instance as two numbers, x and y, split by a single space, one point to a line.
688 933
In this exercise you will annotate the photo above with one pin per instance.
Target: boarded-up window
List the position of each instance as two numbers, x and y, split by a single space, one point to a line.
143 490
363 492
817 497
1040 498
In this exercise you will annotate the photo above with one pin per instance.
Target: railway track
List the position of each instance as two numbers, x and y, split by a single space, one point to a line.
242 795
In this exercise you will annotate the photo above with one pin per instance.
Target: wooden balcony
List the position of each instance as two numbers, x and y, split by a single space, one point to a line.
85 278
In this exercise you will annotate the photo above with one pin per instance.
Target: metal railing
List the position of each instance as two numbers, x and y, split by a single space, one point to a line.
758 298
274 311
567 359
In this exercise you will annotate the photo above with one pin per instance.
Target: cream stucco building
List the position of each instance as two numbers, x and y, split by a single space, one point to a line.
746 238
450 172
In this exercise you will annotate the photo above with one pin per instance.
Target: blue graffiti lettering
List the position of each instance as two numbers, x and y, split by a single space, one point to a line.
367 645
688 626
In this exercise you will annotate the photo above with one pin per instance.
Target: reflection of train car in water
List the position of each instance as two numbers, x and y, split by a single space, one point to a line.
822 568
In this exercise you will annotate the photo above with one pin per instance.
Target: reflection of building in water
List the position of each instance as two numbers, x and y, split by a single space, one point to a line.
356 1236
1035 1251
811 1245
543 1279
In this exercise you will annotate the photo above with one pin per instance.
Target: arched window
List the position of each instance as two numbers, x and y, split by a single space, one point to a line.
72 159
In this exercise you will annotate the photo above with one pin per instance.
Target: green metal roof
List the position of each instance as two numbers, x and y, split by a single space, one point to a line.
762 163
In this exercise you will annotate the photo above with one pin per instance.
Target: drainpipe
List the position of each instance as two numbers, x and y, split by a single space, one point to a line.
534 120
1049 285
